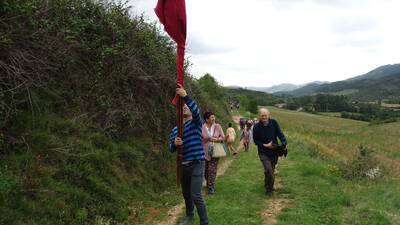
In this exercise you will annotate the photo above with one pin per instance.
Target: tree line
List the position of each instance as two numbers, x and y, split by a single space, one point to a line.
365 111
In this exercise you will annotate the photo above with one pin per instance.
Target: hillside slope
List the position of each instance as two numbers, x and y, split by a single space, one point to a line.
324 159
380 83
85 92
276 88
261 98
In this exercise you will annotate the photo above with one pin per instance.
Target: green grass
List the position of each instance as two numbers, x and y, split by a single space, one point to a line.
239 197
318 190
322 196
69 173
340 136
332 114
395 155
318 193
101 177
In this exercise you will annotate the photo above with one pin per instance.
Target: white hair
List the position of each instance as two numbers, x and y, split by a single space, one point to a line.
263 109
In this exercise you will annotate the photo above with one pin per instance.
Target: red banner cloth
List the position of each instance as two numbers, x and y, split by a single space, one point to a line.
172 14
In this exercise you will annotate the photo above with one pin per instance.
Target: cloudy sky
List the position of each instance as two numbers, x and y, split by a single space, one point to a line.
268 42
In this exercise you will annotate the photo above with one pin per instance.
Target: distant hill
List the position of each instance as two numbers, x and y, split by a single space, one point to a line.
233 87
261 98
276 88
284 87
380 72
380 83
307 89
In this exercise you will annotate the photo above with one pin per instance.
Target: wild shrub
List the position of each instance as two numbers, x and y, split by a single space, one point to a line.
364 165
85 112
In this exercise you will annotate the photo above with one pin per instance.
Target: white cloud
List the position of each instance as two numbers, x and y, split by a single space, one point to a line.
198 46
356 24
267 42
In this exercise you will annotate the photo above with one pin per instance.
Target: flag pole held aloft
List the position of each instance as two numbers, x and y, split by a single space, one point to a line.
172 14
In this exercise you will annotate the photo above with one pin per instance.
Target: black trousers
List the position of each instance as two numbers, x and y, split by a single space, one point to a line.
269 163
191 183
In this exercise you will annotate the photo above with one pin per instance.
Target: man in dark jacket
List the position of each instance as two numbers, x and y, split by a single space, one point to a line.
265 135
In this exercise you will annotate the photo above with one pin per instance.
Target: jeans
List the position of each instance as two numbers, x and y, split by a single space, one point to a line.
191 183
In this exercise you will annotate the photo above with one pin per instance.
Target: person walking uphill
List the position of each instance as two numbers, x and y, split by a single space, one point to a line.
193 162
230 139
212 133
245 136
265 135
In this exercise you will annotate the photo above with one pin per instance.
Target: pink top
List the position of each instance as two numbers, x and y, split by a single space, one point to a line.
215 131
246 134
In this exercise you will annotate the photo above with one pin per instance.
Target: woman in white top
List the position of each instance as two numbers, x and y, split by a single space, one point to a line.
211 132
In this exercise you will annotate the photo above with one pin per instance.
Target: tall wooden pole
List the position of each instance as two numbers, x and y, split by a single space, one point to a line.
179 156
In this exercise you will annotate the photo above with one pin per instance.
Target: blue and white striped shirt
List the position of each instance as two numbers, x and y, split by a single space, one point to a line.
192 139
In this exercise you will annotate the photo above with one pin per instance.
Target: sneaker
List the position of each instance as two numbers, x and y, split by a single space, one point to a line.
186 220
211 191
269 193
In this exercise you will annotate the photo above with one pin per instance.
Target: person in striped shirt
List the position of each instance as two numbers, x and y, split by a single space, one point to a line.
193 162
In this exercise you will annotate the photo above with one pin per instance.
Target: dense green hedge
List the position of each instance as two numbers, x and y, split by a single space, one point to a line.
85 91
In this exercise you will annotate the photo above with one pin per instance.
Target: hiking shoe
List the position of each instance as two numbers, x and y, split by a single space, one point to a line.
269 192
186 220
211 191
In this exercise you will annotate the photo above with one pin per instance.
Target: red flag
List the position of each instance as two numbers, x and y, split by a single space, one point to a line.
172 14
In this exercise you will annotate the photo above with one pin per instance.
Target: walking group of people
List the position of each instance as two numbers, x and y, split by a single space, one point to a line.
203 146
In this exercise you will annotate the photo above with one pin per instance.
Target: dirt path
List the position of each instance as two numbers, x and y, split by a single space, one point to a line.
275 205
173 215
175 212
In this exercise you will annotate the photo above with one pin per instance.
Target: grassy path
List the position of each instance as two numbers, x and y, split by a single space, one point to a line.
239 197
175 212
310 190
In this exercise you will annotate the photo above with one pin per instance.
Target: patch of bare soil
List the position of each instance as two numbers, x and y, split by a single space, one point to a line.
173 215
275 205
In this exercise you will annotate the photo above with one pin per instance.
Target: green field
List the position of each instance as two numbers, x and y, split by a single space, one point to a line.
339 138
323 179
333 114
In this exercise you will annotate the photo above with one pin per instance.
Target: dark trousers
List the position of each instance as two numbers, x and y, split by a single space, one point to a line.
269 163
191 183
